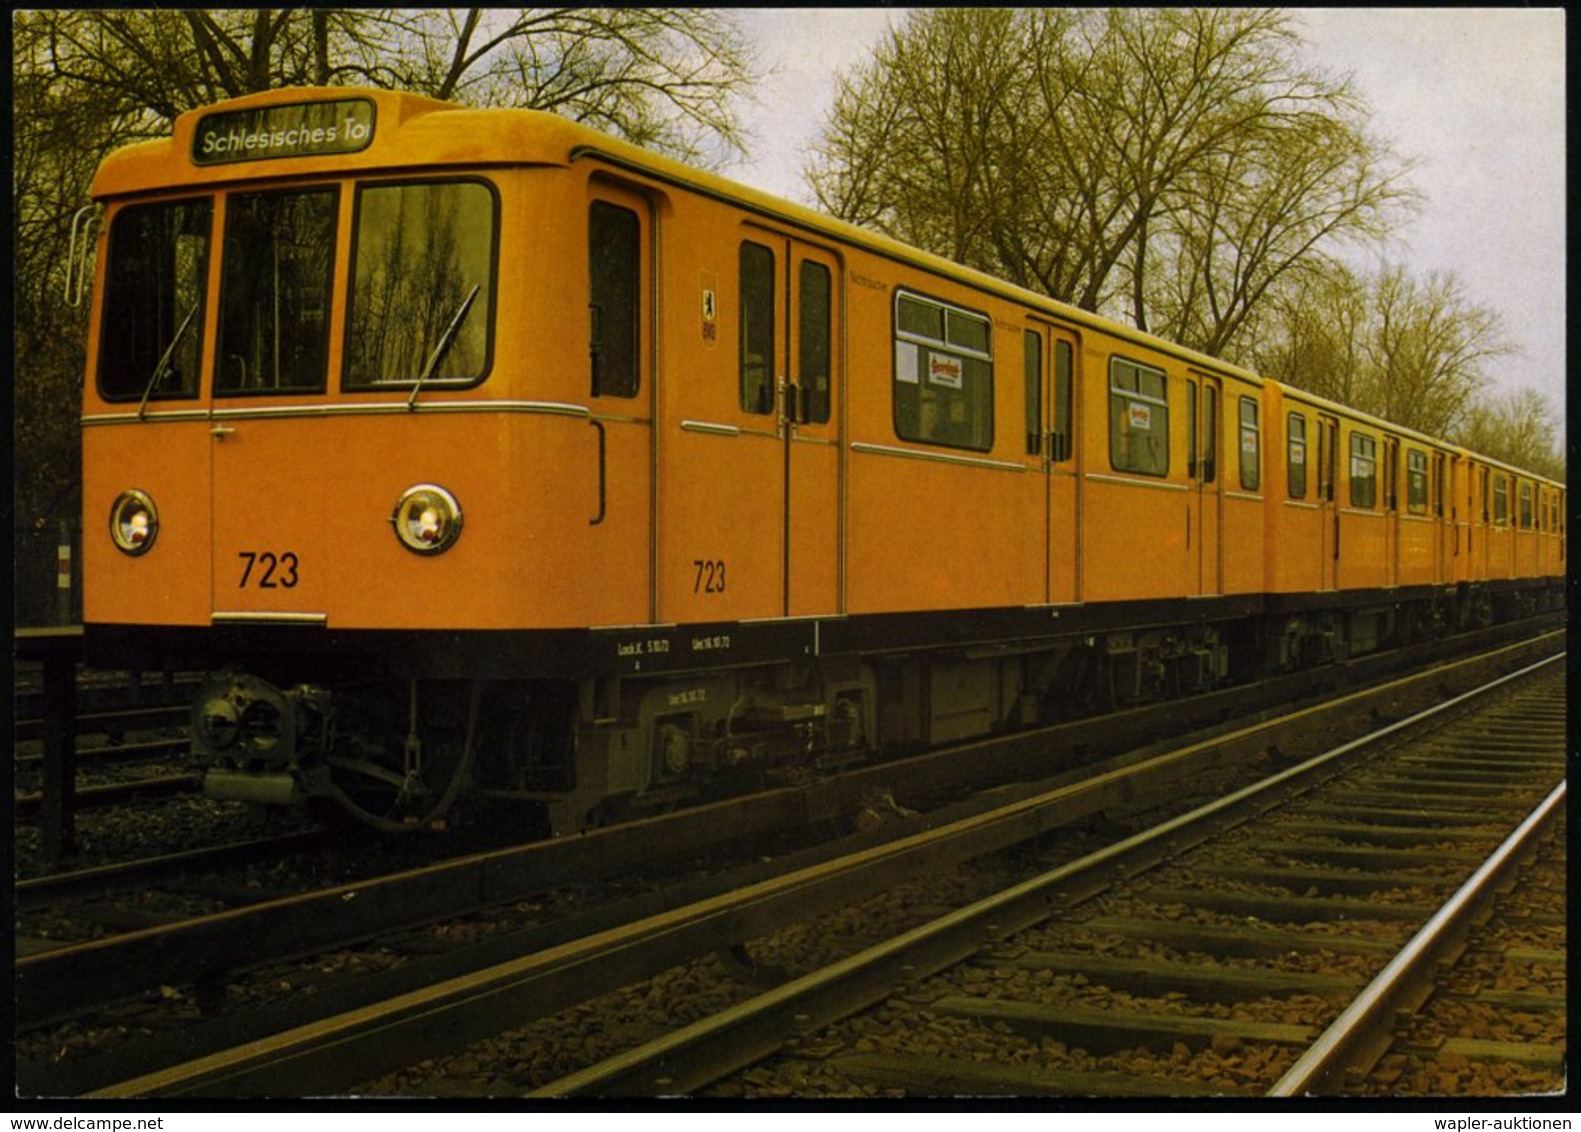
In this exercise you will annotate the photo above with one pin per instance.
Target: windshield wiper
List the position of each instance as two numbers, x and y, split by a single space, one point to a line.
445 340
164 359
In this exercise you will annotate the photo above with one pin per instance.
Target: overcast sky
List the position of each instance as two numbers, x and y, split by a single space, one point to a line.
1475 95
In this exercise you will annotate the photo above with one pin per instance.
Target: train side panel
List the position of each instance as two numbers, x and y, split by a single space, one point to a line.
1364 559
1297 513
1139 506
946 509
1248 487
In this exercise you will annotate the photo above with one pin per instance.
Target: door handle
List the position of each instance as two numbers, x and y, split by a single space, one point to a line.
220 432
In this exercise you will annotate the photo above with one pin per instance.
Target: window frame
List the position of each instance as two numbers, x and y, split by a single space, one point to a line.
1363 453
334 191
766 387
971 358
113 352
598 385
816 405
1062 447
1295 444
1133 398
486 368
1032 373
1252 431
1417 493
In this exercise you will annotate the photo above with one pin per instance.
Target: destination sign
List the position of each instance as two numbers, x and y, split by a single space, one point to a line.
301 129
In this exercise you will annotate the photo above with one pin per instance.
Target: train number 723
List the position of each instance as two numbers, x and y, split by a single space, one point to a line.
273 572
710 577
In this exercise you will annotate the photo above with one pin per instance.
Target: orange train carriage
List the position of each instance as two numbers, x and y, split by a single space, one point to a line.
480 454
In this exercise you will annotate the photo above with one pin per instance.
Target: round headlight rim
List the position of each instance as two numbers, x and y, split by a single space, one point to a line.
133 497
450 526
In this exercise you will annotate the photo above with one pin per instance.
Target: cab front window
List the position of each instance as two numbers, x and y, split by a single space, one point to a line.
422 287
152 338
274 292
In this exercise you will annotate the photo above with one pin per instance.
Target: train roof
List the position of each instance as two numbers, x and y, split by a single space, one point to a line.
429 132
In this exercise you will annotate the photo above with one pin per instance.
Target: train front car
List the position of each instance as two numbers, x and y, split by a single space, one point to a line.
323 450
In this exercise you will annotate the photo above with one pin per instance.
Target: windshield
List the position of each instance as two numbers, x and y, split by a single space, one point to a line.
420 251
151 340
275 290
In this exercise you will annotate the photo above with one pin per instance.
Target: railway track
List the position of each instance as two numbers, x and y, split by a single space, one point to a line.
114 750
1209 970
408 1026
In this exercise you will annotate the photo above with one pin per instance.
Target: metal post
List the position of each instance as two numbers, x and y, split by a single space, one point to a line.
63 575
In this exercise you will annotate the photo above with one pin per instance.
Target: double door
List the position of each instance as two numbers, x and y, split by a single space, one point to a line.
1205 471
749 473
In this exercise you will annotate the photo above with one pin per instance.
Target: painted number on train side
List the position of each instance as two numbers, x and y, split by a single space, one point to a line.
267 570
710 577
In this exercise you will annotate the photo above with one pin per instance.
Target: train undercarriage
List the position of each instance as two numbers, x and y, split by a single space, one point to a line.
402 754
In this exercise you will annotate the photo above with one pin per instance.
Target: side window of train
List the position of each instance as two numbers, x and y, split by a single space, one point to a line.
156 280
1138 418
944 374
1251 445
614 260
1363 470
757 328
1060 448
1210 430
274 292
1327 459
1064 445
1296 461
815 342
1391 473
1501 501
1032 365
1526 506
1416 481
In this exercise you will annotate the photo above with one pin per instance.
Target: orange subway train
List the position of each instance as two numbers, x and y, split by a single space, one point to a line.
479 455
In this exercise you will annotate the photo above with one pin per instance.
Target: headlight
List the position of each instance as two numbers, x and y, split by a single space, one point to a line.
427 519
134 522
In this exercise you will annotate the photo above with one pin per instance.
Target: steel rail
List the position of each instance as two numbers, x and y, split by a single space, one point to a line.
689 1058
335 1052
1354 1034
33 891
114 793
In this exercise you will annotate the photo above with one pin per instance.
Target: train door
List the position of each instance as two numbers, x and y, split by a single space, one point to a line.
1203 448
1050 370
618 437
1441 532
749 457
270 357
1328 474
810 394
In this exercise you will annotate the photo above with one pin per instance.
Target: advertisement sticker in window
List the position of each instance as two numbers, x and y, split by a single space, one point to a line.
944 370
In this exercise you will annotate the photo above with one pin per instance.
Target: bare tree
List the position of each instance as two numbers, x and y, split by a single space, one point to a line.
1519 428
1427 350
1267 205
1418 352
1310 334
1167 164
666 78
